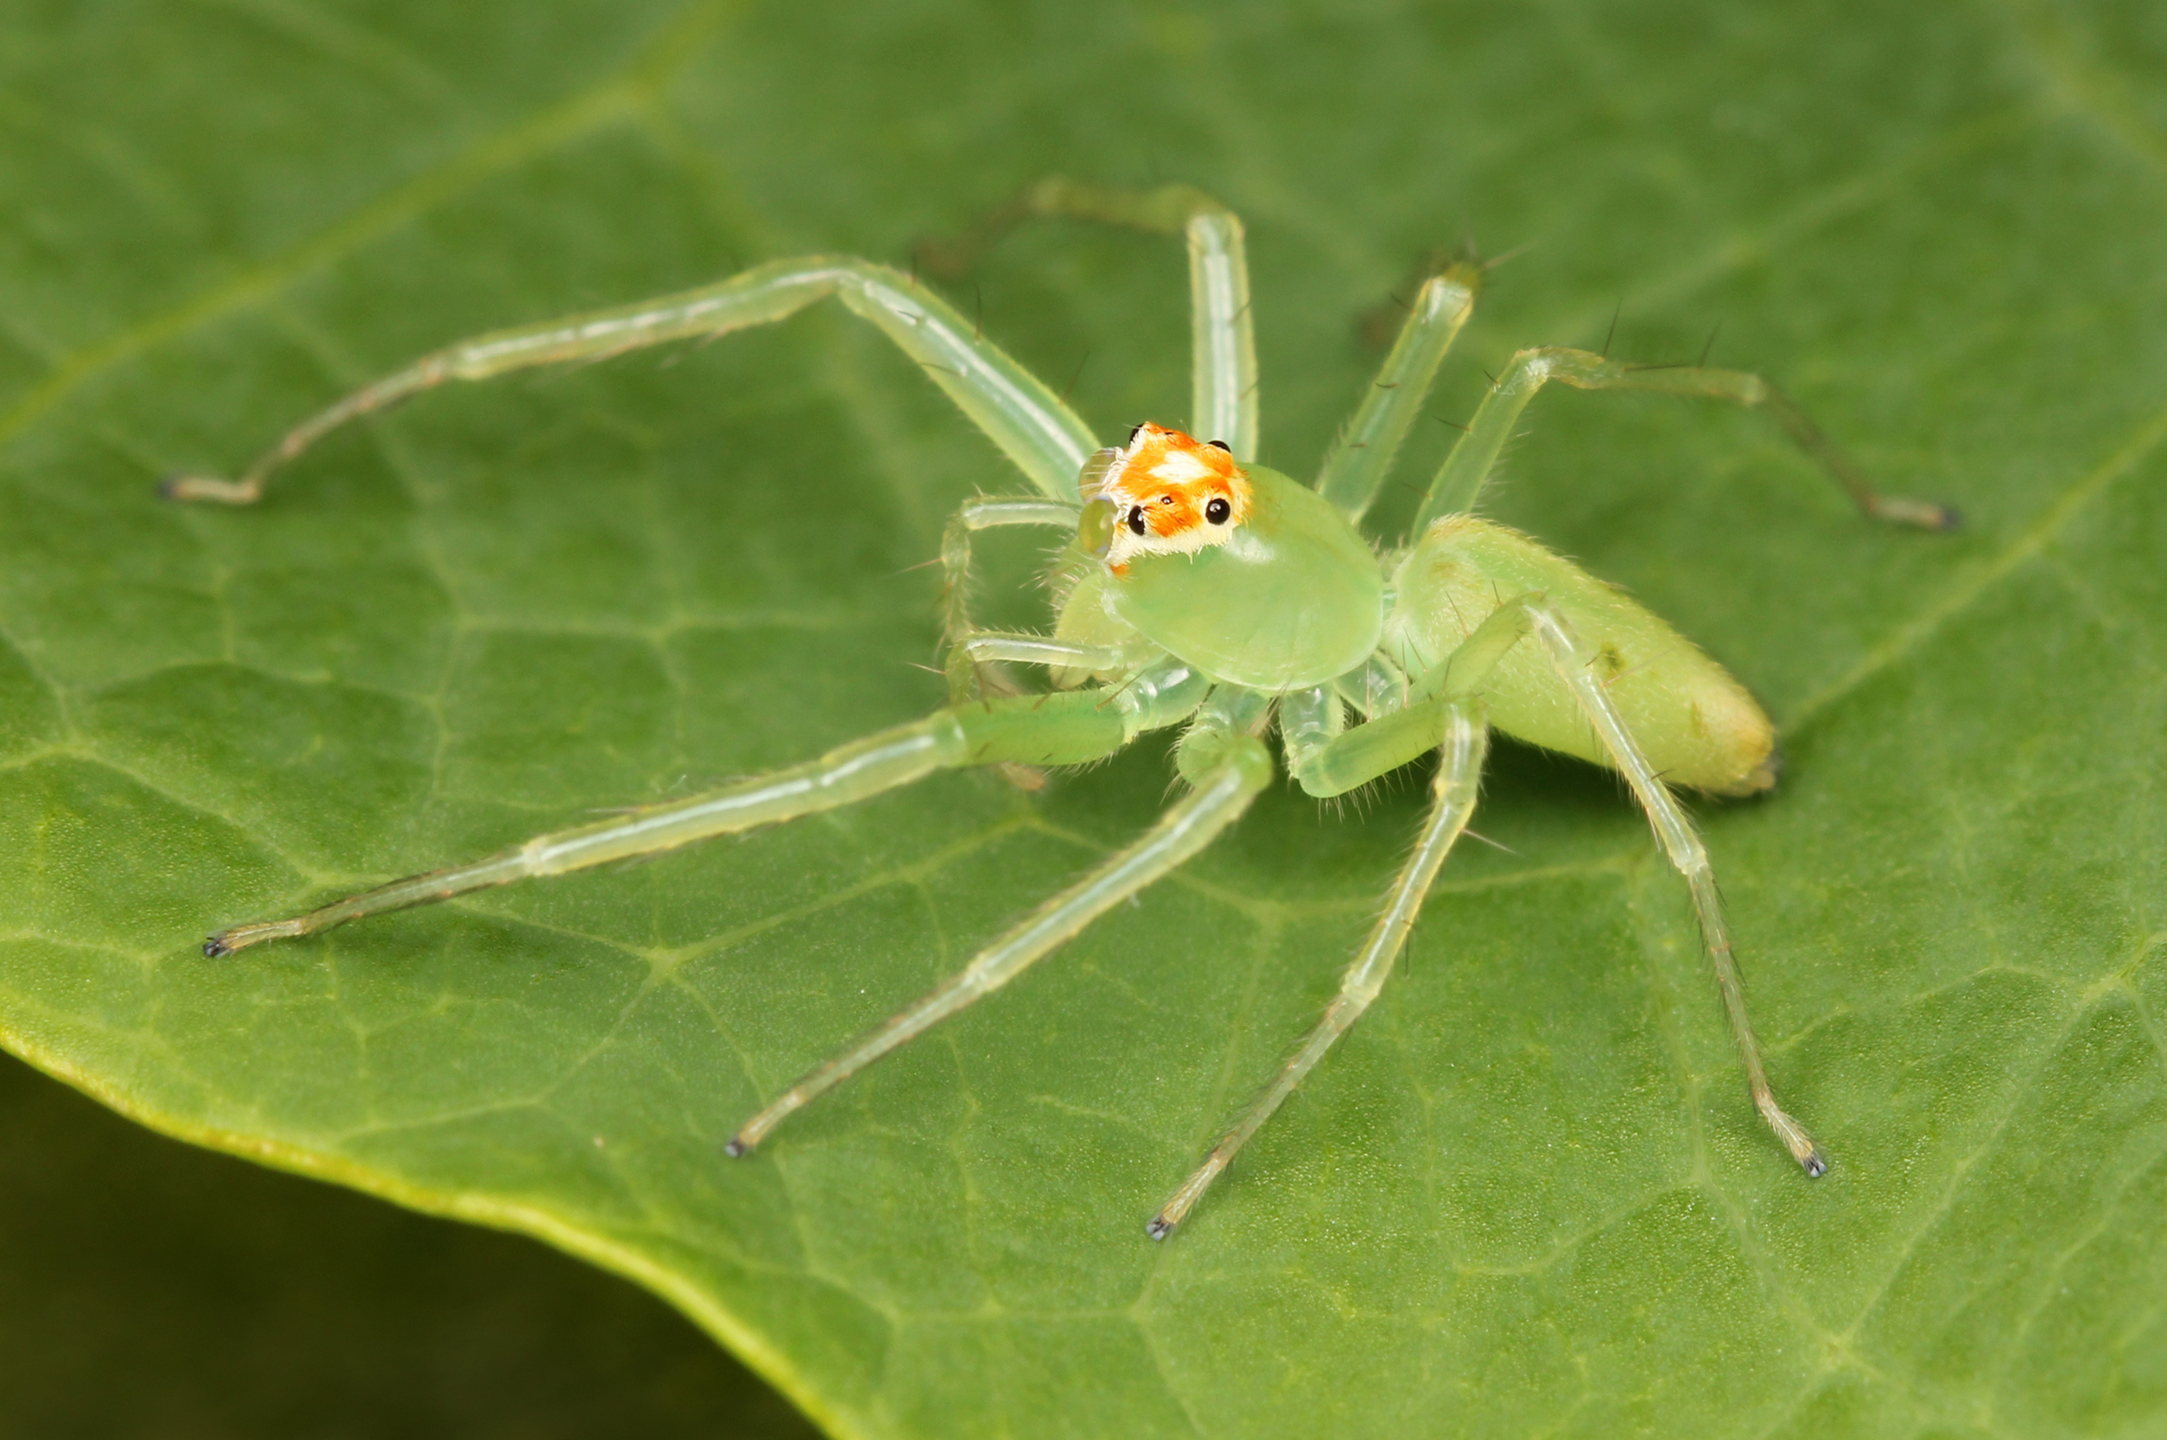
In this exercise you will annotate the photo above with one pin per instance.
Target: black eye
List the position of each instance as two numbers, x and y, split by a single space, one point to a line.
1136 519
1217 511
1220 445
1134 431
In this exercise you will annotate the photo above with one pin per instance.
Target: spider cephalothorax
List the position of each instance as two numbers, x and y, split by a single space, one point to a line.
1170 494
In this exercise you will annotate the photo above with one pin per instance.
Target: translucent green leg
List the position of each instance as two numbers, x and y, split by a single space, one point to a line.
1031 424
1356 467
1065 729
968 676
1445 713
1459 773
974 668
1014 646
1228 767
1326 758
1223 350
1378 688
1468 467
1686 852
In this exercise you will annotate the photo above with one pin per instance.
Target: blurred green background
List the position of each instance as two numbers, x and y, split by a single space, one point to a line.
1527 1196
155 1289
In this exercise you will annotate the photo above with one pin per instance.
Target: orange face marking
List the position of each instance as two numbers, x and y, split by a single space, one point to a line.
1172 495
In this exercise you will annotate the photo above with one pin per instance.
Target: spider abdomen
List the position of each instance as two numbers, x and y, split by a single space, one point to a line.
1698 725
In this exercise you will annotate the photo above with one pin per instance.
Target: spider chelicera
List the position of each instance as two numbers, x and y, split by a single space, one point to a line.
1200 589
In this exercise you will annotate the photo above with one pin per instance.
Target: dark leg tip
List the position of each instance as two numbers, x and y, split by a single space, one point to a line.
1816 1165
169 488
737 1149
1951 518
215 946
1159 1228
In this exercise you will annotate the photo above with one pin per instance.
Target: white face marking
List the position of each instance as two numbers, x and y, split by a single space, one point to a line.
1180 468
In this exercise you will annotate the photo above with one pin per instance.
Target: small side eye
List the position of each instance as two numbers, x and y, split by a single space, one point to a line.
1217 511
1220 445
1136 520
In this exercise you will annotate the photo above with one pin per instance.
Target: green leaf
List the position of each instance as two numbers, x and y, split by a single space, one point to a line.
1527 1194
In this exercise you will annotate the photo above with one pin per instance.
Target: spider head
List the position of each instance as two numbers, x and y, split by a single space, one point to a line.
1163 493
